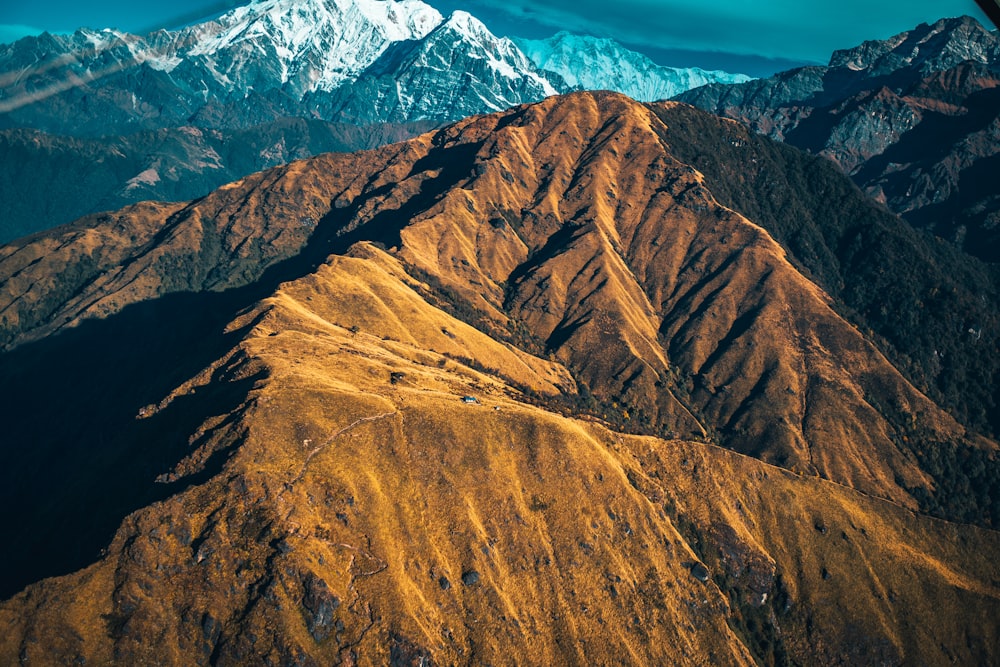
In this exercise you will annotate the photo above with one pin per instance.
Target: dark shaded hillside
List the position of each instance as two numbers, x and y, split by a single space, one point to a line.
48 180
935 309
90 435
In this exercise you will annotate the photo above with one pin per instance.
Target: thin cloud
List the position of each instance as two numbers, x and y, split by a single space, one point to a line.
71 81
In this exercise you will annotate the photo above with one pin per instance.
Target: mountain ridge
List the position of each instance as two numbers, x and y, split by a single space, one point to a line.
333 498
231 247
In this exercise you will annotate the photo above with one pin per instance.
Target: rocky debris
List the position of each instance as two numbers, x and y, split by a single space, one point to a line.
747 569
319 606
699 572
405 653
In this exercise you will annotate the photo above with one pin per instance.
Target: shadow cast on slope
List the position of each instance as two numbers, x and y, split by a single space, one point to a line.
76 460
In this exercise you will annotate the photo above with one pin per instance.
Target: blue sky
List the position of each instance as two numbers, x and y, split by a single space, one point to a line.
709 33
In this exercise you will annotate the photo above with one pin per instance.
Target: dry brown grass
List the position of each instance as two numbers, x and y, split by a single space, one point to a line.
362 488
582 538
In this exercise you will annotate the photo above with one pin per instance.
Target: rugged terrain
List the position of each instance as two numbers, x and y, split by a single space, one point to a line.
913 119
172 115
676 451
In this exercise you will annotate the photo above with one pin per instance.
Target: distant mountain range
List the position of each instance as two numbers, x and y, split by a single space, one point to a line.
592 63
363 62
914 120
378 64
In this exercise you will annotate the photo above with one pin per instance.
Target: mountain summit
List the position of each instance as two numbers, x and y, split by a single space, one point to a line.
299 45
460 66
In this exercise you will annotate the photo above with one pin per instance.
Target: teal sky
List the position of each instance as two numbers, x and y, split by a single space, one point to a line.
709 33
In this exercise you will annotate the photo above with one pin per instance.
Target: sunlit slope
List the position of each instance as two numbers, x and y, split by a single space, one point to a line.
366 515
566 228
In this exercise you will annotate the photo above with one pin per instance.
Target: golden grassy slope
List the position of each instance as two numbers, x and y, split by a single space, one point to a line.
345 520
619 259
358 489
568 219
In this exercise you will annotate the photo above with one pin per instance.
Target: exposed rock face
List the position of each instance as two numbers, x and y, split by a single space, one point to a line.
335 500
913 119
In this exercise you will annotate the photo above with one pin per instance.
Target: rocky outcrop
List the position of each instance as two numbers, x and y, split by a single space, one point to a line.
912 119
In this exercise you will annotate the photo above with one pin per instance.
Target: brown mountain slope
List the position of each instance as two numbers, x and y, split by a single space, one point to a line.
327 496
360 520
569 220
935 309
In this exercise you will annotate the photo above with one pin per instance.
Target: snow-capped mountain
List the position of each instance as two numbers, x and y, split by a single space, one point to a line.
593 63
460 67
303 45
356 60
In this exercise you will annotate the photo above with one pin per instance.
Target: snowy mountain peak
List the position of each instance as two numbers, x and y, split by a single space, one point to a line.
466 23
594 63
459 69
311 44
395 19
501 53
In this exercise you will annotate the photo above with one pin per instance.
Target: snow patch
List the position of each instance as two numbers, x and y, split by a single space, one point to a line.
148 177
316 44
